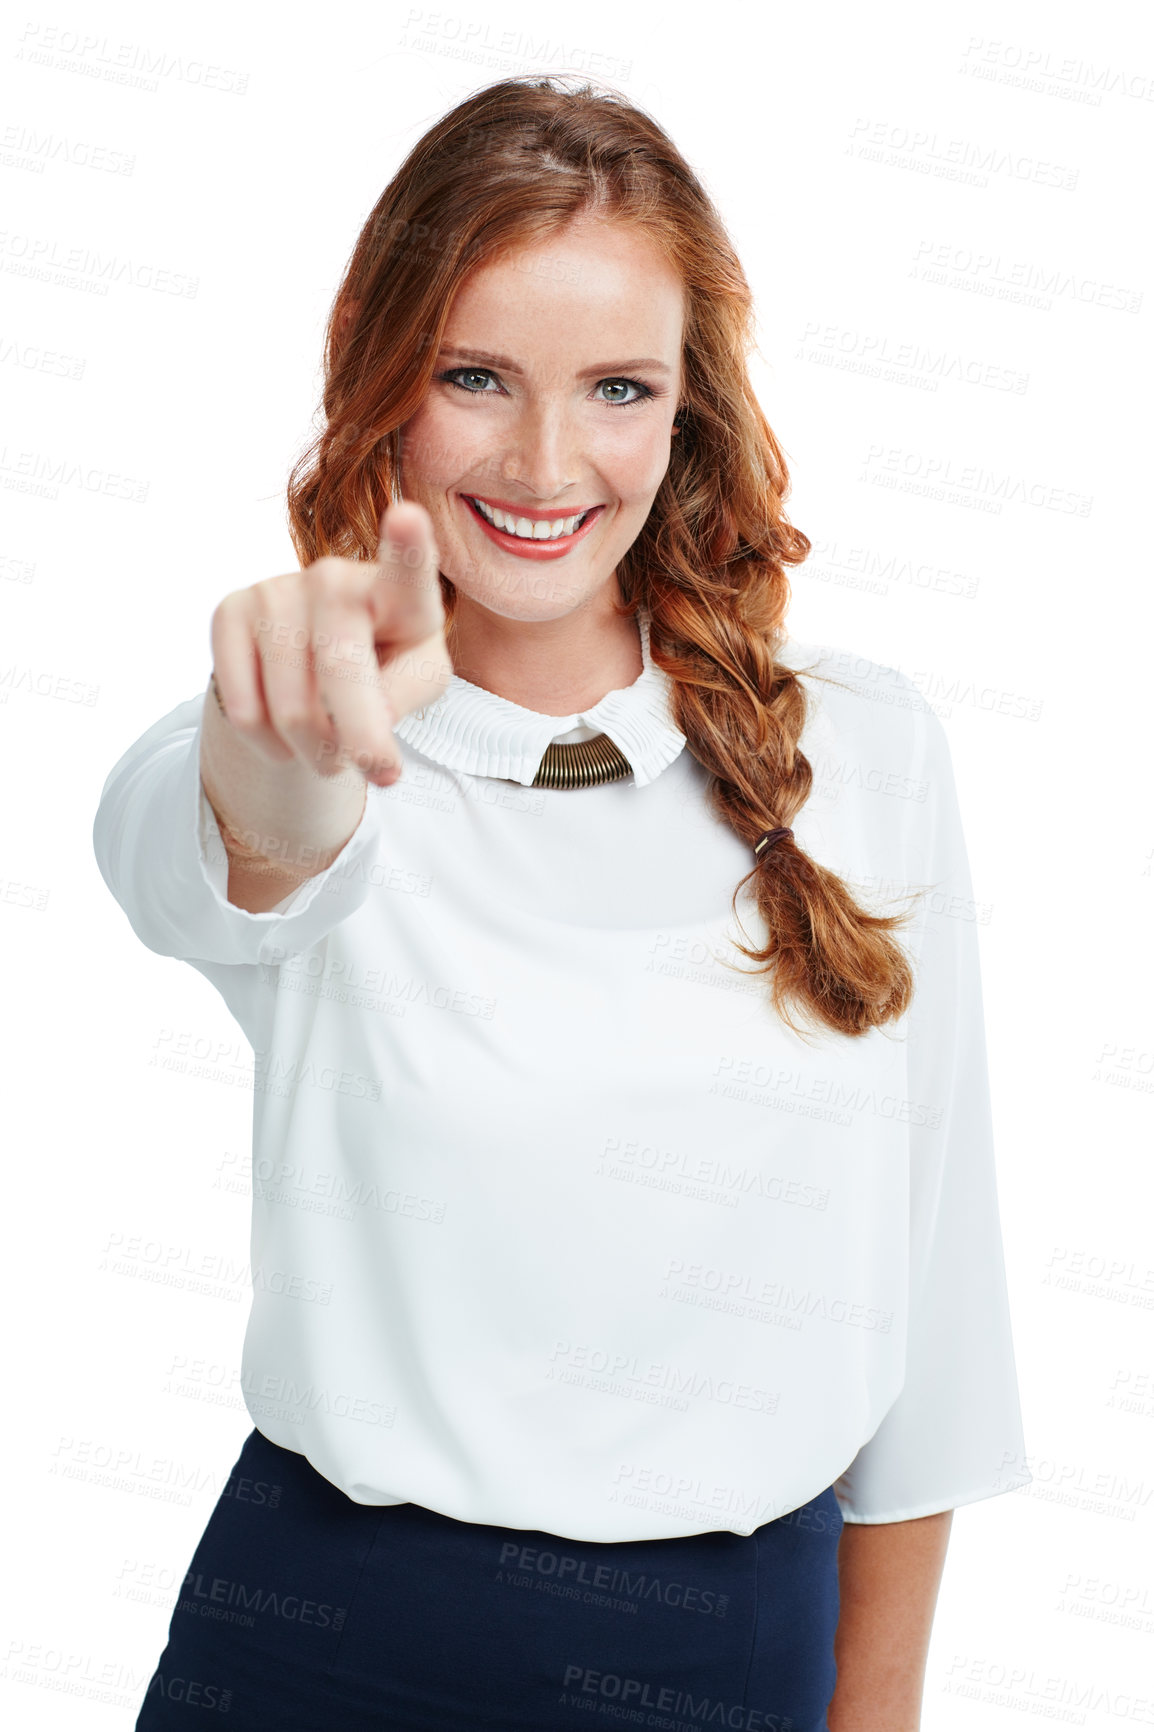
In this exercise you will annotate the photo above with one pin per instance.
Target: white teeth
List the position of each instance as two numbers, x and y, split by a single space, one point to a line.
543 529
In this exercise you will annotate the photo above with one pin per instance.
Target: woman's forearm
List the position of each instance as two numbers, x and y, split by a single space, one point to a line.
888 1579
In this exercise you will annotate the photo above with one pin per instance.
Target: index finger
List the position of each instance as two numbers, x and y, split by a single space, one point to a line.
347 671
407 604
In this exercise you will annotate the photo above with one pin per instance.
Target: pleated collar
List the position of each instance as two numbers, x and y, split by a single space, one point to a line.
471 729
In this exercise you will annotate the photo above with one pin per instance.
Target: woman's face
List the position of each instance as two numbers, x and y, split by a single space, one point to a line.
554 394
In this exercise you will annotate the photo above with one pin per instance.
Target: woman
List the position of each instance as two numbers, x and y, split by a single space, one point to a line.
627 1321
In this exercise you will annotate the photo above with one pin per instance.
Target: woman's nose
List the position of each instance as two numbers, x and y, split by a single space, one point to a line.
542 455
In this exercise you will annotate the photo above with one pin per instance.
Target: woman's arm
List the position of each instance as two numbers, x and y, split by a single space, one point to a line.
888 1578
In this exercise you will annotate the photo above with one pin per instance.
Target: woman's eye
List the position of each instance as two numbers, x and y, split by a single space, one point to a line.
465 379
616 386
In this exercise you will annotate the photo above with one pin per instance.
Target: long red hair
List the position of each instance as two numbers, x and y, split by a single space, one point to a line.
511 164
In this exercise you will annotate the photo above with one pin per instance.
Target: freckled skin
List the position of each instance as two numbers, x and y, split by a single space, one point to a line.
556 435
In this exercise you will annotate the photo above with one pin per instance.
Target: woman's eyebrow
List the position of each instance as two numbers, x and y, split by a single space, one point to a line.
509 366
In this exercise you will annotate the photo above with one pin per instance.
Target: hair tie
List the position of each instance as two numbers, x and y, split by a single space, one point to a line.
766 842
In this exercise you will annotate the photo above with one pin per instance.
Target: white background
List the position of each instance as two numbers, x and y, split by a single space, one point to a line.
901 287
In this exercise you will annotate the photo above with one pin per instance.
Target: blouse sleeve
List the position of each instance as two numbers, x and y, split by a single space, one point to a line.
953 1435
160 852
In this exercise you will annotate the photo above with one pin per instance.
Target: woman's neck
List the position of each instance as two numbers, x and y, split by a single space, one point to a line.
556 667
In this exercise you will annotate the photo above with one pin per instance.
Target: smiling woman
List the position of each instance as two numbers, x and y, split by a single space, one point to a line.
580 449
664 1318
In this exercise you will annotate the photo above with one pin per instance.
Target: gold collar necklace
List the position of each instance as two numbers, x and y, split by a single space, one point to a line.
582 764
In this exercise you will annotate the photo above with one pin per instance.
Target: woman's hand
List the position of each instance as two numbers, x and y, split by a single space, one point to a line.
313 670
317 665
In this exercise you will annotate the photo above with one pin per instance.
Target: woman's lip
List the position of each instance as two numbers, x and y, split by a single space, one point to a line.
522 546
515 510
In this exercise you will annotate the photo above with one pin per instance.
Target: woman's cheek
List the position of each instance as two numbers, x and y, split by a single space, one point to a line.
634 459
425 451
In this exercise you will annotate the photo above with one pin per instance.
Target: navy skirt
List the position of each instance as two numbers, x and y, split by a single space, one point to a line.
303 1611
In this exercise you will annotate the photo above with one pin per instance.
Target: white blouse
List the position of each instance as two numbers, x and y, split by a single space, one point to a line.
555 1224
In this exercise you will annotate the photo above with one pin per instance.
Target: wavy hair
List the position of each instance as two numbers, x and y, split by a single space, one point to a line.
514 162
